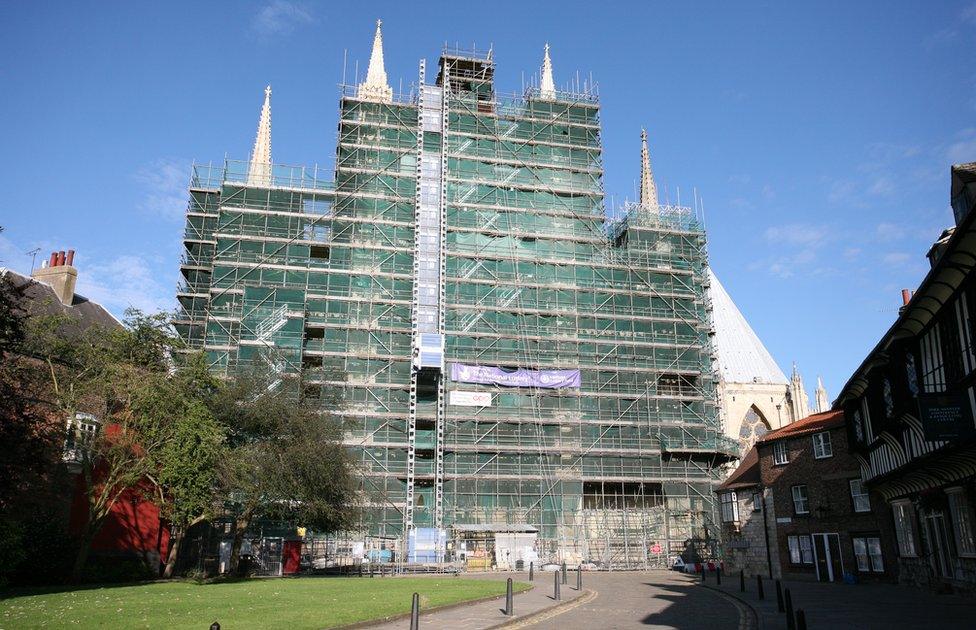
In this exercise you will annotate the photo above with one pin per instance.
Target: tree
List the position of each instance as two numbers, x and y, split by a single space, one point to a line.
285 458
104 372
30 443
183 469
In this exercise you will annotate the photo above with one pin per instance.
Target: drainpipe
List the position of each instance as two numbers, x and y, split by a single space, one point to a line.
769 558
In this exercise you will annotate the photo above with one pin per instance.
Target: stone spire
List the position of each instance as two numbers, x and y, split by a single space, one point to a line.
648 190
259 170
799 402
547 87
375 87
822 403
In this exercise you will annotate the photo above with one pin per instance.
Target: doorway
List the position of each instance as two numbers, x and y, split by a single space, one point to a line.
938 539
827 558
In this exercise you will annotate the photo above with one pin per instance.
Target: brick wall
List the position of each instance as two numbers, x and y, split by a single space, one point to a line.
831 507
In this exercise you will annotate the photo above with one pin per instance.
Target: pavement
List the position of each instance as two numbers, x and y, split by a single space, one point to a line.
490 614
653 600
867 606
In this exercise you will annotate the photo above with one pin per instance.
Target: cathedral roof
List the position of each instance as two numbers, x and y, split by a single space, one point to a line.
742 357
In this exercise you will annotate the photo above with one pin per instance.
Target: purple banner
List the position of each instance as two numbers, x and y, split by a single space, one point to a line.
550 379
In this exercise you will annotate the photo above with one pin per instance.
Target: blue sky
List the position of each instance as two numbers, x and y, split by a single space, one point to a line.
819 135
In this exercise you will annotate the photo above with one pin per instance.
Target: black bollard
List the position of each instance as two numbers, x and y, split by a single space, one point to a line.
759 586
531 571
790 622
801 619
742 581
579 578
370 569
565 581
215 626
509 602
718 575
779 597
703 572
555 586
415 612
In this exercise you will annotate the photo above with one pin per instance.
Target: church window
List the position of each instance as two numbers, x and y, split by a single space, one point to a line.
889 400
753 427
858 426
911 374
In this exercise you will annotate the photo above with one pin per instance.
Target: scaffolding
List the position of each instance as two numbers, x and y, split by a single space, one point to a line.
460 219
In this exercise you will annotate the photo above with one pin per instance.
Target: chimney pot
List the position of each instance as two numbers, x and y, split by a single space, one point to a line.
54 259
906 297
61 258
71 257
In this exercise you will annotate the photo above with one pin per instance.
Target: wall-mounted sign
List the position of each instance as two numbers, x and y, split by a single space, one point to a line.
784 519
491 375
469 399
945 416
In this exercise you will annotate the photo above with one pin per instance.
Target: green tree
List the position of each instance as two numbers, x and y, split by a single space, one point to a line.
30 436
104 372
285 458
183 469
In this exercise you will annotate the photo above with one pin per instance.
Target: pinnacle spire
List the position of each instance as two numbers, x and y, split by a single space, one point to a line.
823 404
648 190
547 87
259 170
375 87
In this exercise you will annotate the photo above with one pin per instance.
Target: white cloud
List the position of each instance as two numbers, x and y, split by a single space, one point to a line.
123 282
896 258
279 17
963 149
165 188
887 232
842 191
797 234
882 185
969 13
852 253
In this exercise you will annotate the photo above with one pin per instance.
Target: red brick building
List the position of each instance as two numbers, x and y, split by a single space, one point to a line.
797 508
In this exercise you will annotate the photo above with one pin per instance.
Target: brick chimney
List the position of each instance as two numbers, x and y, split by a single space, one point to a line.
60 275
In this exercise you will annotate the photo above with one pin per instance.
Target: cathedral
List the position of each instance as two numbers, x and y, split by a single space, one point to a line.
755 396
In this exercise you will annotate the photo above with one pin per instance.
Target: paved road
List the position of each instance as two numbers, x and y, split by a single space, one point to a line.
859 607
652 600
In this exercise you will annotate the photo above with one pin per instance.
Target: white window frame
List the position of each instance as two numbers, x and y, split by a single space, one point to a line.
822 448
81 432
757 501
961 515
781 454
904 516
861 500
800 501
730 507
800 553
872 562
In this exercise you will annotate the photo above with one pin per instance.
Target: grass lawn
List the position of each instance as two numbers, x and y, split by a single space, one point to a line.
309 602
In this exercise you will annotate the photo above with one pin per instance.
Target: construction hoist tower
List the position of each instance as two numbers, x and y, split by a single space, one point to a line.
525 379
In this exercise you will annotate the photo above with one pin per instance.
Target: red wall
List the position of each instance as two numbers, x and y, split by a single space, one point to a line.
132 525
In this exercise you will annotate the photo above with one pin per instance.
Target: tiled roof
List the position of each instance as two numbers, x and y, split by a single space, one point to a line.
42 300
746 475
741 356
810 424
